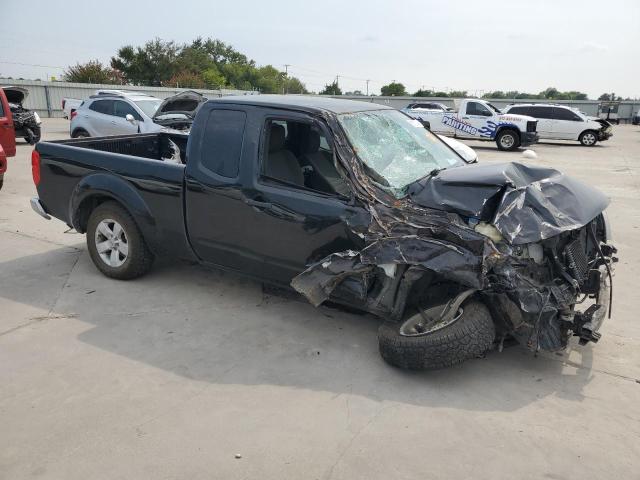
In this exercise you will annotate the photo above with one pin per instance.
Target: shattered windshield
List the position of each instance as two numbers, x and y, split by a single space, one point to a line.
396 147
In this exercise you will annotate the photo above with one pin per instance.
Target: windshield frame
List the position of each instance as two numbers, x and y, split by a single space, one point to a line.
454 158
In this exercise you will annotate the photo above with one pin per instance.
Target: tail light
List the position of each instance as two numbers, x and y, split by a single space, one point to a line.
73 114
35 167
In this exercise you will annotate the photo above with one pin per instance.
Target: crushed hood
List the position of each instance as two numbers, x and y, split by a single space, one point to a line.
15 94
184 103
525 203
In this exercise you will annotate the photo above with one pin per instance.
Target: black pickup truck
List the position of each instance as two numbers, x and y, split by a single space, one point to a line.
351 203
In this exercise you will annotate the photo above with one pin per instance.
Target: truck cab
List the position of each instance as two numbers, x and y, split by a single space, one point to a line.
480 120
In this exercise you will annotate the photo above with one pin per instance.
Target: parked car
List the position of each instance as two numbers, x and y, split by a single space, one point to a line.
559 122
349 202
26 123
114 114
479 120
427 106
7 135
69 106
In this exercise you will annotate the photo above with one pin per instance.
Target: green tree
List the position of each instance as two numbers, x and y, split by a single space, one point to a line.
331 89
152 64
395 89
458 94
424 93
91 72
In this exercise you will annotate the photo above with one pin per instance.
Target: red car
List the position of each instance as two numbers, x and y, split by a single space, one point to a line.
7 135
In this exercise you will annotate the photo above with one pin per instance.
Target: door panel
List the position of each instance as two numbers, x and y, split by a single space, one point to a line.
545 121
476 115
7 133
567 125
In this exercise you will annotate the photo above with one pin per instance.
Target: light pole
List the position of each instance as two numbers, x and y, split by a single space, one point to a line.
368 87
285 88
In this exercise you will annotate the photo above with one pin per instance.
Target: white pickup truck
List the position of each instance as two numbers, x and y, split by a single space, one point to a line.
479 120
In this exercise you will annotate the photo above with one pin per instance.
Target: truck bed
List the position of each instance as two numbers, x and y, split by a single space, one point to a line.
126 168
154 146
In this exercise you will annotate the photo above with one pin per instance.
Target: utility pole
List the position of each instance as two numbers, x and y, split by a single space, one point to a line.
368 87
285 88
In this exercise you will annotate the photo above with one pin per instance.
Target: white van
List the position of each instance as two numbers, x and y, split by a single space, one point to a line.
559 122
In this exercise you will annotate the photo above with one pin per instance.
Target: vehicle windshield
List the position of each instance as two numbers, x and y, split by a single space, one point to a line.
396 147
149 107
495 109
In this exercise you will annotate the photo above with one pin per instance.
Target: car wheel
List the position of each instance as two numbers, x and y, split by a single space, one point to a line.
80 133
588 138
508 140
115 243
420 344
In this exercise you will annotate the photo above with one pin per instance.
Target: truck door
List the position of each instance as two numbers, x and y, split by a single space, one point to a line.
7 133
300 201
474 118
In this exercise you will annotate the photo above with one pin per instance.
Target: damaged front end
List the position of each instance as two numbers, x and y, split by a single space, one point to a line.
530 243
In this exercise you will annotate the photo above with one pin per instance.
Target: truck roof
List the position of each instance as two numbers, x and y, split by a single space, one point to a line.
308 103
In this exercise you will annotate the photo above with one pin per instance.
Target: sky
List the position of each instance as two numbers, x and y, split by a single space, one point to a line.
478 46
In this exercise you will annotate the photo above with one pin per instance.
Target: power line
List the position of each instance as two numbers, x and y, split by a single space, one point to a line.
31 65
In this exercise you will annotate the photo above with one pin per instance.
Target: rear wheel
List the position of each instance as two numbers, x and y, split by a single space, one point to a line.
419 343
508 139
588 138
115 243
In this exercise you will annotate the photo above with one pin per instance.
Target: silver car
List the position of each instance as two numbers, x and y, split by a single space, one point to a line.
103 115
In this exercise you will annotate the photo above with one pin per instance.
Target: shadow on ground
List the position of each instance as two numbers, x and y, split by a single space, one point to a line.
217 327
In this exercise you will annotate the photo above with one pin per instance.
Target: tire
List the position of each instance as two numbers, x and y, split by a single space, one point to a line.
588 138
132 258
80 133
470 336
508 139
1 181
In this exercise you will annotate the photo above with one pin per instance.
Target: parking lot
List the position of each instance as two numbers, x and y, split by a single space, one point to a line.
199 374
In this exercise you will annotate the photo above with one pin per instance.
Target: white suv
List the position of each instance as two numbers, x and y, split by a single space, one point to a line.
558 122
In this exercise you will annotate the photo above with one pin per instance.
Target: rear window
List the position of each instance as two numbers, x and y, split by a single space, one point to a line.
102 106
520 110
222 143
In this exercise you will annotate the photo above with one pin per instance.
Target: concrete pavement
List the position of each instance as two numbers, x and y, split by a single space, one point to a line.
172 375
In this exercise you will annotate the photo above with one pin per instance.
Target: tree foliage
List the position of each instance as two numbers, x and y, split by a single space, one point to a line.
331 89
203 63
550 93
393 89
91 72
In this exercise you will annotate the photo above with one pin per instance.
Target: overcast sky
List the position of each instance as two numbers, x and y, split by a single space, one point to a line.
526 45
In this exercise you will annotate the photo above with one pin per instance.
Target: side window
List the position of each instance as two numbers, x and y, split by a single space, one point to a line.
102 106
565 114
520 111
1 109
542 112
299 154
122 109
475 108
222 142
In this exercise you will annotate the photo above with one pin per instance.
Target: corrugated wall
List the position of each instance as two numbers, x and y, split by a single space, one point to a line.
46 97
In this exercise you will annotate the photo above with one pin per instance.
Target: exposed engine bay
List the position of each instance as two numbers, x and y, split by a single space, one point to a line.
27 123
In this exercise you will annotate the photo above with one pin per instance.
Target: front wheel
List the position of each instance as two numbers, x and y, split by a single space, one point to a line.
588 138
508 140
115 243
33 135
422 344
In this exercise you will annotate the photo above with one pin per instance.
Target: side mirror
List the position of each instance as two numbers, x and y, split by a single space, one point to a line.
129 118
